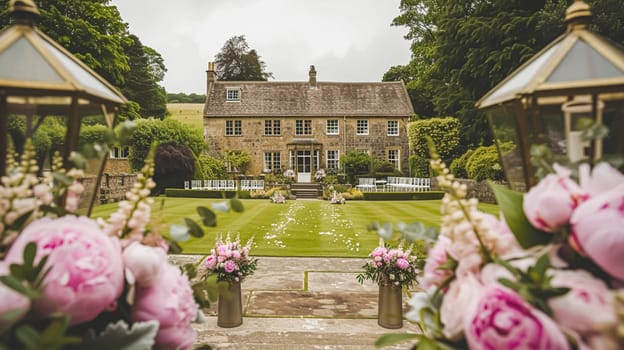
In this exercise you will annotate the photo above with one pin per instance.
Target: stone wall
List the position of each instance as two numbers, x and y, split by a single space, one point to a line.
476 189
113 188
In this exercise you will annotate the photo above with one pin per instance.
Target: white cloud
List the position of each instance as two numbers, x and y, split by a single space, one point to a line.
347 40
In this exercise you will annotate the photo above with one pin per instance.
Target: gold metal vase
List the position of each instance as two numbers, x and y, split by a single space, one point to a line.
390 307
230 313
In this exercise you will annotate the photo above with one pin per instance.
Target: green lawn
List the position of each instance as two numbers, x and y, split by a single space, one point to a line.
297 228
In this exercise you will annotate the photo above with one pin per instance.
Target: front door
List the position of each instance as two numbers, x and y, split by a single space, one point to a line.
304 166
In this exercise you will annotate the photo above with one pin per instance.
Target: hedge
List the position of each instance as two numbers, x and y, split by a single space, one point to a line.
389 196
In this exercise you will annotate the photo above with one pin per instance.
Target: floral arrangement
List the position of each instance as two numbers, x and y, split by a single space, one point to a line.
390 266
289 173
337 198
545 275
319 175
69 280
278 198
229 260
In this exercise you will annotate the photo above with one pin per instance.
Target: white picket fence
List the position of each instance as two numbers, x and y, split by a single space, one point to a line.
223 185
394 184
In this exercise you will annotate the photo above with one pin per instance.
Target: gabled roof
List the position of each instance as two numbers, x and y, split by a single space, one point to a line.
266 99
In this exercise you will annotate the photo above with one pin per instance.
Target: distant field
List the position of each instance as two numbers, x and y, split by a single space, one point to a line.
187 113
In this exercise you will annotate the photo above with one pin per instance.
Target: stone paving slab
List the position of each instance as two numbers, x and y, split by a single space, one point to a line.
312 304
338 282
298 333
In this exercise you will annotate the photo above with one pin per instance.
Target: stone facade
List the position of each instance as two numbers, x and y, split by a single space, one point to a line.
113 188
306 126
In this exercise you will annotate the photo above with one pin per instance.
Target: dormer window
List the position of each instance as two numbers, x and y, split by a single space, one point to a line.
232 94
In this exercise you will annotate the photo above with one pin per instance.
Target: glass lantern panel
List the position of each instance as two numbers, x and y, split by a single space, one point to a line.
583 62
23 63
83 76
548 129
505 131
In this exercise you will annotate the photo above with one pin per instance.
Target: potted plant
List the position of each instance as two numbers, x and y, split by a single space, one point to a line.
392 269
231 262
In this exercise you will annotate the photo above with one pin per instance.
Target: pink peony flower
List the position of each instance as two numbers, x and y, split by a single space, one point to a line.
436 257
402 264
588 307
169 301
598 230
211 262
230 266
501 319
11 302
603 178
86 273
145 263
461 292
549 205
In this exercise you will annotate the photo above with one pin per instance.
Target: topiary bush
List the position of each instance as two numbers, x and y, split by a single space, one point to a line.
484 163
443 131
458 165
419 166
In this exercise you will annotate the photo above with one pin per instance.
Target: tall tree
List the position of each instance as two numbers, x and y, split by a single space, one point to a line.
461 49
147 69
237 62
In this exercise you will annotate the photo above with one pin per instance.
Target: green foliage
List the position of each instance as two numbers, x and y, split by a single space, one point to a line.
419 166
461 49
181 97
484 163
210 168
154 131
443 131
401 196
355 162
458 165
147 69
236 62
239 160
177 192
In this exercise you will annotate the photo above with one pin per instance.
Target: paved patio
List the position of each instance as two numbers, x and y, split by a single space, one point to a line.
302 303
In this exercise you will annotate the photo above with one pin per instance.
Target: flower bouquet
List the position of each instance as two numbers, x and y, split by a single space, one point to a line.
390 266
545 275
229 261
70 281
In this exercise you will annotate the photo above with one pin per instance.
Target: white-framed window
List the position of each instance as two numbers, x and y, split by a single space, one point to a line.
272 161
394 157
119 153
361 127
232 94
272 127
303 127
333 159
332 127
393 128
233 127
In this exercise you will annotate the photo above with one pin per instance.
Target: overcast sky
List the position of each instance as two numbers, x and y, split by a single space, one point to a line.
346 40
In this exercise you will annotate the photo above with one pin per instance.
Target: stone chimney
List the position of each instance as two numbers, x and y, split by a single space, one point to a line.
212 77
312 75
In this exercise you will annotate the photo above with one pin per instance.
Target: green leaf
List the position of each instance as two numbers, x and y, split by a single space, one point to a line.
15 284
538 272
21 220
53 337
194 229
62 179
121 336
394 338
28 336
209 218
30 251
510 203
237 205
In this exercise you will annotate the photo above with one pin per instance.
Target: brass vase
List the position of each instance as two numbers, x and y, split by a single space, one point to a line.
230 313
390 307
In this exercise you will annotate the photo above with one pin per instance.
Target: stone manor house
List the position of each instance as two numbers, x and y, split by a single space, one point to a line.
306 126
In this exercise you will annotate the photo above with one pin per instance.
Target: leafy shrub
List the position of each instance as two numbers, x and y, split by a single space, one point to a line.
419 166
210 168
458 165
356 162
443 131
173 164
484 163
